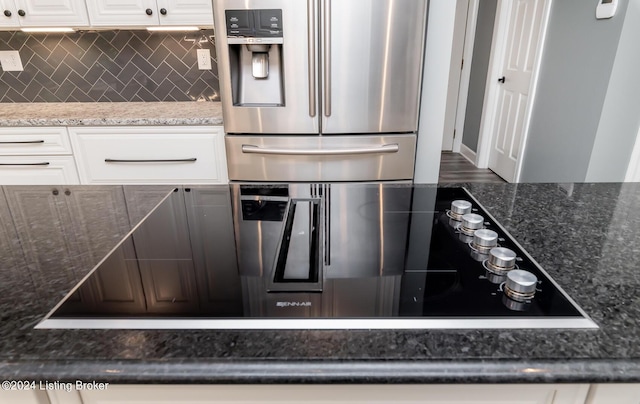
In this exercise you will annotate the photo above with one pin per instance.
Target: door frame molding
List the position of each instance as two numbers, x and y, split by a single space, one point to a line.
465 74
633 169
490 104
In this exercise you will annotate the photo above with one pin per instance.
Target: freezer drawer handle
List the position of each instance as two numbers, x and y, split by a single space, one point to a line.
387 148
150 160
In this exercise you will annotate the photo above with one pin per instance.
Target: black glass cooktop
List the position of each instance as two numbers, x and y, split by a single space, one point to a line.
318 256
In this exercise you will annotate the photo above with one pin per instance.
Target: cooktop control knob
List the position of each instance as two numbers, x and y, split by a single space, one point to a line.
470 223
520 285
460 207
501 260
484 240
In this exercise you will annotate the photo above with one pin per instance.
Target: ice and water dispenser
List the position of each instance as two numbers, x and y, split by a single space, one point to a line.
255 44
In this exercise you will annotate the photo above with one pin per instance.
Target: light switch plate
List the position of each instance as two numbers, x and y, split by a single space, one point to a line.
204 59
10 61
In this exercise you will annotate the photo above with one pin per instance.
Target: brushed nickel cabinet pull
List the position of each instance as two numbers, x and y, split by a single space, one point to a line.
23 142
44 163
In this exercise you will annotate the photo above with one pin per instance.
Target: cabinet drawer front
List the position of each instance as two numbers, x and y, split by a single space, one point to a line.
32 170
34 141
150 158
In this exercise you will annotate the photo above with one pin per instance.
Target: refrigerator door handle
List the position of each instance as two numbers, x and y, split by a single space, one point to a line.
387 148
311 29
327 58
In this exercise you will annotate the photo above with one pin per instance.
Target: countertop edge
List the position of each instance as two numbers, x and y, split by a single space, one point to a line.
319 372
111 122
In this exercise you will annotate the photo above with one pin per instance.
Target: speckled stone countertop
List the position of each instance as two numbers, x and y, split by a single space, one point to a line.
106 113
587 237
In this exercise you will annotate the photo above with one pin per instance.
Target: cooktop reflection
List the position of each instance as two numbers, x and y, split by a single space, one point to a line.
318 256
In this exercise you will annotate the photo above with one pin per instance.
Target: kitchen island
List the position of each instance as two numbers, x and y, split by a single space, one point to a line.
586 236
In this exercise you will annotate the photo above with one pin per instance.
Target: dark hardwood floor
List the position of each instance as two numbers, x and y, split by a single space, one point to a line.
455 168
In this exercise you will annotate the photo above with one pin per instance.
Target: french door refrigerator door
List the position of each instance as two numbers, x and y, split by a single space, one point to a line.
283 99
329 66
371 70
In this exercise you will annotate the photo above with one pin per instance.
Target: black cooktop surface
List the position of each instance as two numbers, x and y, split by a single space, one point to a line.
318 256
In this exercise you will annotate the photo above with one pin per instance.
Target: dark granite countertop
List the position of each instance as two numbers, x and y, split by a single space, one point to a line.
587 237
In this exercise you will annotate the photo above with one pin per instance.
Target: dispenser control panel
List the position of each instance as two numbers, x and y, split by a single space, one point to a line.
265 23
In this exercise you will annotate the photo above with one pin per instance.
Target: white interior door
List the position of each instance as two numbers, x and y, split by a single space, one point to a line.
518 45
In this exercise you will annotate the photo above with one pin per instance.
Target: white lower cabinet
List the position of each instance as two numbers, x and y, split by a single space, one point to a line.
23 397
614 394
36 156
336 394
150 155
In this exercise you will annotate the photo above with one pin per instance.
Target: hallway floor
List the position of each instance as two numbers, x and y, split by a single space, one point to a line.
455 168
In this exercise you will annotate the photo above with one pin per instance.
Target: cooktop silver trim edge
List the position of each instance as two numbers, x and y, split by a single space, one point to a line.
318 323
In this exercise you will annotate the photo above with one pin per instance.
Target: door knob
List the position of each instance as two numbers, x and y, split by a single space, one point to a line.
501 79
149 11
21 13
163 11
7 13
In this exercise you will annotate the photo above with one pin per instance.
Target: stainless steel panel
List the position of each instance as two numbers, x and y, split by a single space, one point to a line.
317 158
372 65
294 116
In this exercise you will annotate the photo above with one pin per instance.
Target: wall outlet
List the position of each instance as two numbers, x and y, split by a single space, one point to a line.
10 61
204 59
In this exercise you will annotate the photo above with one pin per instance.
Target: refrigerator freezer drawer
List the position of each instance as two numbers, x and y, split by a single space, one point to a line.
321 158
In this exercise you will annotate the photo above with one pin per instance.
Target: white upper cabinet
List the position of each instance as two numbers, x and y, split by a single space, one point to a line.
116 13
9 17
43 13
185 12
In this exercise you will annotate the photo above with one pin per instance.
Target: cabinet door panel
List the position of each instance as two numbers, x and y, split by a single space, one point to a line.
44 170
34 141
23 397
165 155
339 394
186 12
113 13
12 21
53 13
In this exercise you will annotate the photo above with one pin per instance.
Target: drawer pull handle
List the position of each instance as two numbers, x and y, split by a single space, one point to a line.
150 160
44 163
387 148
23 142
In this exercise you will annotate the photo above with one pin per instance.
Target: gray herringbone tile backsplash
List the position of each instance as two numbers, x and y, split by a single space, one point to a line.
109 66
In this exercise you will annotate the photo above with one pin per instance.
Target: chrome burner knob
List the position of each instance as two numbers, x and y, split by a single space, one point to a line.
484 239
502 258
460 207
522 282
470 223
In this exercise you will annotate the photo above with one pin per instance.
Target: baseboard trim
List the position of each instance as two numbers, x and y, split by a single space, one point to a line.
468 154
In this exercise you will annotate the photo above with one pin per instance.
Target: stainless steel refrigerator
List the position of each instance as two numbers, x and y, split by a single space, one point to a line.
320 90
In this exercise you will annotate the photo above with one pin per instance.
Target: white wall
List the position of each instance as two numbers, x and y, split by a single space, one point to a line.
435 89
620 118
